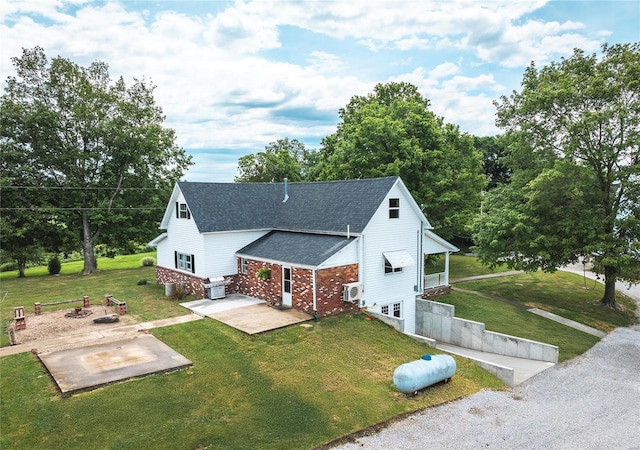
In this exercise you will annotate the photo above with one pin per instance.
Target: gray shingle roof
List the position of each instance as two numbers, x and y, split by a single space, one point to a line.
325 207
295 248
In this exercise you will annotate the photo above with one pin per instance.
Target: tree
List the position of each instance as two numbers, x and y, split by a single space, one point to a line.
281 159
573 136
493 151
96 152
392 132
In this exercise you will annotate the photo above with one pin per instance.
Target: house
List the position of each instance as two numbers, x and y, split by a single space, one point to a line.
319 247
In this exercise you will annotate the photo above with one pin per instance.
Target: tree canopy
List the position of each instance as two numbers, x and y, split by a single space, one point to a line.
95 152
573 138
392 132
284 158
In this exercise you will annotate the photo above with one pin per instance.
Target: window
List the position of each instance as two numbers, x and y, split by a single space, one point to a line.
394 208
182 211
388 268
185 262
395 310
244 265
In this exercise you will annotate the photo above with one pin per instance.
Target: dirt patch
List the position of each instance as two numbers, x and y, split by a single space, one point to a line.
52 325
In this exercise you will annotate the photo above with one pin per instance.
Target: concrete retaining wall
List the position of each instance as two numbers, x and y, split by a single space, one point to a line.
437 321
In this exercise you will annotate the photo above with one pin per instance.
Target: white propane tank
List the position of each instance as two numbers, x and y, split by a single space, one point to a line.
410 377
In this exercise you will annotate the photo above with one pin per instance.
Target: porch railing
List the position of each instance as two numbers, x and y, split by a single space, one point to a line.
434 280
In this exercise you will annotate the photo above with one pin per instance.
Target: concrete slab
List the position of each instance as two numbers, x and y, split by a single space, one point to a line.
523 369
205 307
259 318
85 368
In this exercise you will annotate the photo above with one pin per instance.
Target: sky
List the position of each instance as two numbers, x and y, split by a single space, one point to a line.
235 76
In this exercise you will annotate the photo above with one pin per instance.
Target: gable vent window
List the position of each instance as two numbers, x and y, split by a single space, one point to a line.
185 262
182 211
394 208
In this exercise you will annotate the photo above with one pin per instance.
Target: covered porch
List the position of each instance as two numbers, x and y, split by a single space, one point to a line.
437 251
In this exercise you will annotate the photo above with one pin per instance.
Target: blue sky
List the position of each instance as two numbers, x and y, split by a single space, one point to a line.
233 76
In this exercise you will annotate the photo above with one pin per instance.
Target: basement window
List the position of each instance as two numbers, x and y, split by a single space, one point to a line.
391 310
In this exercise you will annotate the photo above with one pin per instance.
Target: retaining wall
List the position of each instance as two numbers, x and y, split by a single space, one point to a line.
437 321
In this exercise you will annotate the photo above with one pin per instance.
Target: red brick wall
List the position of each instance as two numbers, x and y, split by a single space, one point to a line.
268 290
193 283
329 289
328 285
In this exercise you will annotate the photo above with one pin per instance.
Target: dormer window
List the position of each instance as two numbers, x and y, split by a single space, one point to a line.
394 208
182 211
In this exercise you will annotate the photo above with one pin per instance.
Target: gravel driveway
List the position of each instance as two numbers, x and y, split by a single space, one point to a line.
589 402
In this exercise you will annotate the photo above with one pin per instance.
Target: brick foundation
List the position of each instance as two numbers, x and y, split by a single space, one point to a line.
436 291
193 283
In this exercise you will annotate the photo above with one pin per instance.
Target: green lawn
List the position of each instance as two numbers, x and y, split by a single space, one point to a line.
291 388
562 293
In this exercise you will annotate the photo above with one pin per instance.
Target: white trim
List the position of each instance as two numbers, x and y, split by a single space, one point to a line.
158 239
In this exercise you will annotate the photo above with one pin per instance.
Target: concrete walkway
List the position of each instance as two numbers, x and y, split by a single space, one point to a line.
95 337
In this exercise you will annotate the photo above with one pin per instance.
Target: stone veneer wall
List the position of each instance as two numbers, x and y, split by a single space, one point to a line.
328 283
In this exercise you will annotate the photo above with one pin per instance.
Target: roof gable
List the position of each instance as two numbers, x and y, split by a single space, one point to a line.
315 207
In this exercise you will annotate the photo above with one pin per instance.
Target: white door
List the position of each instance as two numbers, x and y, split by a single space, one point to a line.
286 286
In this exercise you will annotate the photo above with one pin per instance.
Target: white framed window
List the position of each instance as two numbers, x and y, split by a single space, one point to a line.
392 310
185 261
244 265
388 268
182 211
394 208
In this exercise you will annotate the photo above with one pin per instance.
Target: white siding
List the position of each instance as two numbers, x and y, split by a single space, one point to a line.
182 236
348 255
383 234
220 250
432 247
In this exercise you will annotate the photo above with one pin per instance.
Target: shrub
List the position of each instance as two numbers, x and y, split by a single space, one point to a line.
181 291
142 282
148 261
264 273
54 265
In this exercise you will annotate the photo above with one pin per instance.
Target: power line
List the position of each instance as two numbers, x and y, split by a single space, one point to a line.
81 188
79 208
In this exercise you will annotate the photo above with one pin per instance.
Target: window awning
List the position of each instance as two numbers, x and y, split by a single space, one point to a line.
399 259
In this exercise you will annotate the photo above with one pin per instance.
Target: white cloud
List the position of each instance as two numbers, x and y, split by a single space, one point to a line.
221 87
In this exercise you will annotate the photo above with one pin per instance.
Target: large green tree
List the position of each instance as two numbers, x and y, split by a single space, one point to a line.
96 151
284 158
392 132
573 135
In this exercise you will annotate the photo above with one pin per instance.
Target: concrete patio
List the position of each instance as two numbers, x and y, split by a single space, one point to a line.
247 314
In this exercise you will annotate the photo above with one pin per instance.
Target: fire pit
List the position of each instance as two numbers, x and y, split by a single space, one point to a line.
78 313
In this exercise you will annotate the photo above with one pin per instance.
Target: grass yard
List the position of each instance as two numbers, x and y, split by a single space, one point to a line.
461 266
562 293
291 388
144 302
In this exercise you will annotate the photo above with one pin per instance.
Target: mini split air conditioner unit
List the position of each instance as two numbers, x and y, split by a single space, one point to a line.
352 292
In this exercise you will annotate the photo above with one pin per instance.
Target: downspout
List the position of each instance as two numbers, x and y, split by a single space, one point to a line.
313 283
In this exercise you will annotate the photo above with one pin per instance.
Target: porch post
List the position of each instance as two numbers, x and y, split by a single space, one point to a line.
446 269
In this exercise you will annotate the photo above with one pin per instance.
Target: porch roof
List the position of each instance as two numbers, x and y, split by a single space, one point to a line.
295 248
